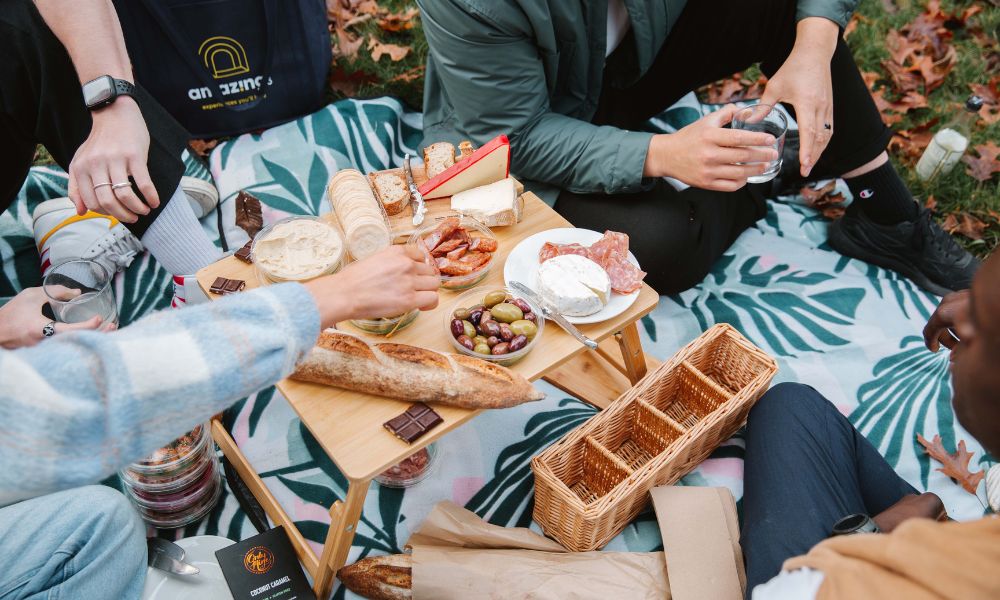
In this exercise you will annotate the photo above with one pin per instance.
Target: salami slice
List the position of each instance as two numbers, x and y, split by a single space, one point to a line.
550 250
611 252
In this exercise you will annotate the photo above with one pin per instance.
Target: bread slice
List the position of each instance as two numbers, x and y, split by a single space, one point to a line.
390 188
387 577
438 157
465 149
412 373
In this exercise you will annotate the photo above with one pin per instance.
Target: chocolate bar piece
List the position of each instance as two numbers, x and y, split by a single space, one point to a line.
223 286
248 214
244 253
414 423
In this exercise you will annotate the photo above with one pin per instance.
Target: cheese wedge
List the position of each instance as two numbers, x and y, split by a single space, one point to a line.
489 164
495 205
574 285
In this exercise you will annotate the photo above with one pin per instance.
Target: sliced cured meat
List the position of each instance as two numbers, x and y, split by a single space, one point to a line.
453 267
611 252
446 246
442 232
458 252
625 277
613 242
479 244
476 259
550 250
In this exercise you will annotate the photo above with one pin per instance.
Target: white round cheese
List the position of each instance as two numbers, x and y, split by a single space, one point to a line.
574 285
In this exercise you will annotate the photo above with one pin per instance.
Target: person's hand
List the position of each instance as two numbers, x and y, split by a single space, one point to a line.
936 332
804 81
705 155
387 284
21 319
118 147
912 506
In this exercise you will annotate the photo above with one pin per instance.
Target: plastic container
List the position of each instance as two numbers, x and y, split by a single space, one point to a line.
386 325
176 485
475 297
411 471
266 276
475 228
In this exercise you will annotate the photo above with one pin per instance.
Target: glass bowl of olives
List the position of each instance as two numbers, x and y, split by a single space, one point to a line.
494 324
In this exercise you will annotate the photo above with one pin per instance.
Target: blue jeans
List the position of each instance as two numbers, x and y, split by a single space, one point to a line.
84 543
806 468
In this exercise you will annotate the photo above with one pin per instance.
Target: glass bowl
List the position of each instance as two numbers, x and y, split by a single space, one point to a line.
386 325
473 226
412 470
476 297
266 275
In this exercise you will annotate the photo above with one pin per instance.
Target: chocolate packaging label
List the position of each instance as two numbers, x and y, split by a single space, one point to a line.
264 567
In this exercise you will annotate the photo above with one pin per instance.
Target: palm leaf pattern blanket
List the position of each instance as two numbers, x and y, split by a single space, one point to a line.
849 329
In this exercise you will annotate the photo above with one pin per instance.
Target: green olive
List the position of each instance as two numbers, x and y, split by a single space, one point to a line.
479 339
482 349
470 329
506 313
462 314
525 328
494 298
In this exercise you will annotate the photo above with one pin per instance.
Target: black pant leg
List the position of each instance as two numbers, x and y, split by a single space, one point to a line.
806 468
40 96
676 236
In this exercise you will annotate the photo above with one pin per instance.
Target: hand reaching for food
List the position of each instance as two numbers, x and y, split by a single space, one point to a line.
390 282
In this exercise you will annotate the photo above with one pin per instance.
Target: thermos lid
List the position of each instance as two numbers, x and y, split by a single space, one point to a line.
973 104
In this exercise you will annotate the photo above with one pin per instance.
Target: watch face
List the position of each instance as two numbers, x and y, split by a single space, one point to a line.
99 90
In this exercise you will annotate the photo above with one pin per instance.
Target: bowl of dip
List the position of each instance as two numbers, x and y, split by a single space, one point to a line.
297 249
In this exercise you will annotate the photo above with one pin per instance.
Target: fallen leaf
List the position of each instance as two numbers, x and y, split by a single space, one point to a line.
346 83
909 144
401 21
990 93
203 147
825 199
982 167
965 224
348 44
954 465
380 49
410 75
931 203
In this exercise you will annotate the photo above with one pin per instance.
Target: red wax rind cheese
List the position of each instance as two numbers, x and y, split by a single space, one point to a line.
487 165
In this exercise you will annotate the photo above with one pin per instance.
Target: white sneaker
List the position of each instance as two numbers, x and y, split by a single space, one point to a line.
187 291
201 194
62 235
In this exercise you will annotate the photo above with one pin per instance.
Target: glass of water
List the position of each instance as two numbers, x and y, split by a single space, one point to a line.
79 290
767 119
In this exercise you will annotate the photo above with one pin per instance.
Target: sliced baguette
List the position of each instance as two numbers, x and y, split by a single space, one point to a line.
380 577
411 373
390 188
438 157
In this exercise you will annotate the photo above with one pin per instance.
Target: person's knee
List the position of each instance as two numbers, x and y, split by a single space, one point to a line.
110 512
787 403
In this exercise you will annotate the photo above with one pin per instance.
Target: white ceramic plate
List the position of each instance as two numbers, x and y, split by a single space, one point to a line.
522 265
210 584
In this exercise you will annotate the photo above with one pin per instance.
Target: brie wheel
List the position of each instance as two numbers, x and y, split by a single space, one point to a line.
574 285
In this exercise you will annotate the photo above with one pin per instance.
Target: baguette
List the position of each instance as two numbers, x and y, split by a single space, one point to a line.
390 188
437 158
411 373
380 577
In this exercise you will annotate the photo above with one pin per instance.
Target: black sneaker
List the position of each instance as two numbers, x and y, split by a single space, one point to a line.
919 250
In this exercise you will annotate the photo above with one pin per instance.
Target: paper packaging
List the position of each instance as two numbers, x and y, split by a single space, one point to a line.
701 541
457 555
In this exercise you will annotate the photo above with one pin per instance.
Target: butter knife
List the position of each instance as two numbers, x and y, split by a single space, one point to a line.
419 209
549 313
167 556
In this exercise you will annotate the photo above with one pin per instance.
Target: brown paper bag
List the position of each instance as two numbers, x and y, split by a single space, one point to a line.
457 555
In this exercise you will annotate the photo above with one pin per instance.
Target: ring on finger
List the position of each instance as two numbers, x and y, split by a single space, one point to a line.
827 126
103 183
118 186
49 329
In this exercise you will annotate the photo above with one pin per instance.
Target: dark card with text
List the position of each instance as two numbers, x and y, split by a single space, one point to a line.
264 567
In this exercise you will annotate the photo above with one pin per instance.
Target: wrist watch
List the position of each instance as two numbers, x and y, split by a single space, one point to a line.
856 523
103 90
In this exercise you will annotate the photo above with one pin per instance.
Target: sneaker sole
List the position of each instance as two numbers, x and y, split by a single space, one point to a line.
202 192
843 243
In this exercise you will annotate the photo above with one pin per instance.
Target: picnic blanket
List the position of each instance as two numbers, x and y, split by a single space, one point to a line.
847 328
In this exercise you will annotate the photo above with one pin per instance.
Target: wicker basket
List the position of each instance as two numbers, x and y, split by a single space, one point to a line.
593 482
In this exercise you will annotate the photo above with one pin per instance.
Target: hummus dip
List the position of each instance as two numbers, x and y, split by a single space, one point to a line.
298 249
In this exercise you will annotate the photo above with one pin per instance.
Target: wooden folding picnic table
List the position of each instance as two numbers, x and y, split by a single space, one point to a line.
348 425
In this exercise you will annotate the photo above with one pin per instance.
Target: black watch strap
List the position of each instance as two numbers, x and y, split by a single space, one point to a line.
124 88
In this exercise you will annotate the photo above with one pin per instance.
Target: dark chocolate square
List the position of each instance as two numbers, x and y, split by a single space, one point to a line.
414 423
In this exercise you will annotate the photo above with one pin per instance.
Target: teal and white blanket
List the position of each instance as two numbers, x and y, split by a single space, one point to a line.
849 329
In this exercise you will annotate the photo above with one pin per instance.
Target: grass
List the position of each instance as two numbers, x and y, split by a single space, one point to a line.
955 192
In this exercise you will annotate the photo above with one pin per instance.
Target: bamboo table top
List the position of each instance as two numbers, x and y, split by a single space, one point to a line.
348 425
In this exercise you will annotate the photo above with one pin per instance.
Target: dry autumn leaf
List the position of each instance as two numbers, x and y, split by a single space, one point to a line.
825 199
966 224
909 144
931 203
203 147
734 89
954 465
394 52
990 93
982 167
395 22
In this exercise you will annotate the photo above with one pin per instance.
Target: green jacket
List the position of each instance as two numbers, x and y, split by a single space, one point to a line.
532 69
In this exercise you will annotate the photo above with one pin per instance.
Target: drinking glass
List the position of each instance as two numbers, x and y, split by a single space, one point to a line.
767 119
79 290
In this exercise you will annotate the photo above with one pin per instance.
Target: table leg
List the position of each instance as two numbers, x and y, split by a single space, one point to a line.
344 517
631 347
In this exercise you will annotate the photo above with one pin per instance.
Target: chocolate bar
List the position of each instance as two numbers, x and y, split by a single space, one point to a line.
414 423
244 253
223 286
249 216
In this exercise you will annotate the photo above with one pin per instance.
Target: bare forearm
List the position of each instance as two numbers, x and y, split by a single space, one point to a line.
816 35
92 35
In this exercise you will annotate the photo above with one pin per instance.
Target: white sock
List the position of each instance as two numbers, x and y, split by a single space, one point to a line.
176 239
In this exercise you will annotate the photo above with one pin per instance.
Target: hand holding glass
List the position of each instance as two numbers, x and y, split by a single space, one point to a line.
79 290
767 119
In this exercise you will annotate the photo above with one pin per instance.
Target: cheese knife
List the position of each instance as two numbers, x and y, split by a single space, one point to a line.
168 556
548 313
419 209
